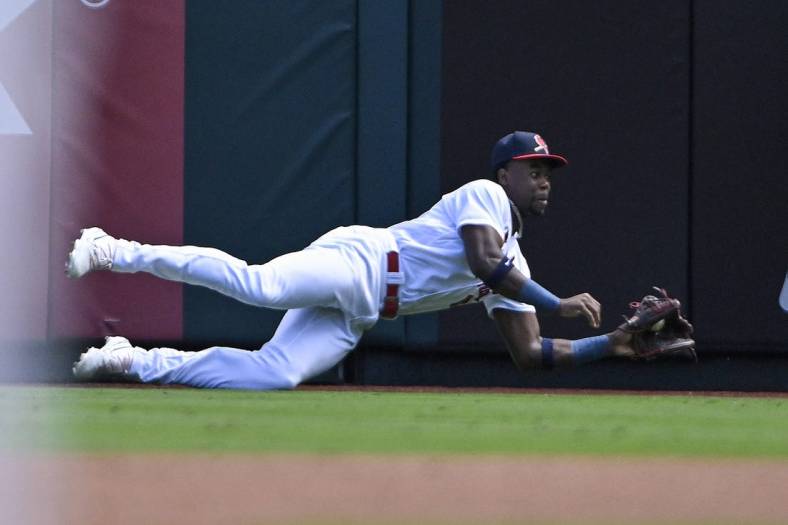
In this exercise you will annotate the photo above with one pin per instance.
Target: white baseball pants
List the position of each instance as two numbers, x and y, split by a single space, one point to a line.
332 291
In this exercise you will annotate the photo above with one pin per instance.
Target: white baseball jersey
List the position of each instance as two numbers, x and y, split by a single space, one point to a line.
432 254
333 290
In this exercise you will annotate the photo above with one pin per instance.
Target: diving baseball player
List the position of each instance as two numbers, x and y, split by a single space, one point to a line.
463 250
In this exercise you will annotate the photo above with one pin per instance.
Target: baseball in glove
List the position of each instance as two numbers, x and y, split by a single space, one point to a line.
658 329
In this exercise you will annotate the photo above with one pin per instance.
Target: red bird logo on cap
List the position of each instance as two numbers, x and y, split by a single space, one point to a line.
542 144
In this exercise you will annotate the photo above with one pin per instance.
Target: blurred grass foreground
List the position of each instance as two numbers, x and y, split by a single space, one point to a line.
147 419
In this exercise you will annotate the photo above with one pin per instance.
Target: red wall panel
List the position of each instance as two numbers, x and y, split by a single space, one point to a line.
117 159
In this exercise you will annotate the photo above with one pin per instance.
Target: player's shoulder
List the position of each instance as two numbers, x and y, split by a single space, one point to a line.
482 187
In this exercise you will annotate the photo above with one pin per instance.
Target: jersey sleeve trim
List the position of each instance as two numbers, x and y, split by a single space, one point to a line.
481 222
495 302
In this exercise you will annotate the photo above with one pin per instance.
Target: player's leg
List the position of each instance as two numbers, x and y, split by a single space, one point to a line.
307 342
316 276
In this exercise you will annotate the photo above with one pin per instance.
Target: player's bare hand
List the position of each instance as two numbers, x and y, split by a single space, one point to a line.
582 305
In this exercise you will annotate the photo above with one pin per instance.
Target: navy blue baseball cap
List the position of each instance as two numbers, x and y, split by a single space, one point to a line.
523 145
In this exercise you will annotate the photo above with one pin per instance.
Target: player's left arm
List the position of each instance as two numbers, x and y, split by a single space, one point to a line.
487 262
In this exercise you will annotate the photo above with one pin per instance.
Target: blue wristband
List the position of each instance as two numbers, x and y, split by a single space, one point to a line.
590 349
548 362
533 293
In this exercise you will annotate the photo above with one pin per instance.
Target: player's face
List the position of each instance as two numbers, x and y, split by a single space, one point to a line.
527 183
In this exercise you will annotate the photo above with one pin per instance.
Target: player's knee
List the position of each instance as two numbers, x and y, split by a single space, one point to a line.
266 289
279 381
291 379
290 382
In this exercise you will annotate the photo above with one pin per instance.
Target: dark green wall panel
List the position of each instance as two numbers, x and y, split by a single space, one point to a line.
382 127
302 116
269 140
424 133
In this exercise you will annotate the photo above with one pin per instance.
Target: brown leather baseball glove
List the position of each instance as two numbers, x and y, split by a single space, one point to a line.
658 329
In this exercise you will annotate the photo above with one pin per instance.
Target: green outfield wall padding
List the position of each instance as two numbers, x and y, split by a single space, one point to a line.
424 133
300 117
382 127
269 141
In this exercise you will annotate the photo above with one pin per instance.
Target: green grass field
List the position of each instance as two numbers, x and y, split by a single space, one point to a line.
184 420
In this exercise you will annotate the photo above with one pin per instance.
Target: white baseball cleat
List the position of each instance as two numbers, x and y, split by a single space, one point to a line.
92 251
112 359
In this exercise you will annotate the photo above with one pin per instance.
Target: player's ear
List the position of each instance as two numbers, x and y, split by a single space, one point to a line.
502 176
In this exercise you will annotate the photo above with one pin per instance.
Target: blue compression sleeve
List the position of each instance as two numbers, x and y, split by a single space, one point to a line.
547 354
590 349
535 294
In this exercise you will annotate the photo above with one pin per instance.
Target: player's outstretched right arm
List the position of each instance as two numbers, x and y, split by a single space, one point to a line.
528 349
488 263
